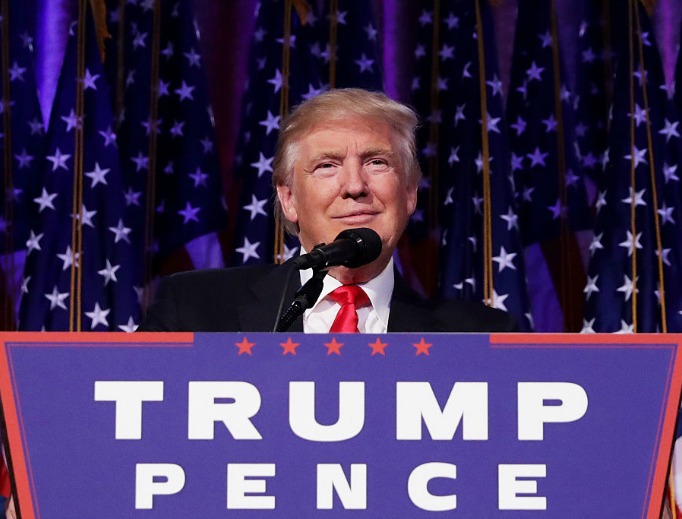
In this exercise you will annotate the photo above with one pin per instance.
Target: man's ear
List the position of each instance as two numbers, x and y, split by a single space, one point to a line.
286 199
411 198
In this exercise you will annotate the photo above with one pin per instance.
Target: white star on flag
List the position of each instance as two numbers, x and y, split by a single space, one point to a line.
58 160
256 207
72 121
511 218
56 299
534 72
271 122
505 260
97 175
121 232
537 158
588 326
109 272
89 80
365 63
87 216
189 213
193 59
670 130
16 72
109 136
69 258
596 243
176 130
248 250
33 242
199 177
639 156
628 287
498 301
141 162
625 327
45 200
185 92
519 126
24 159
263 165
631 243
98 316
276 81
591 286
130 327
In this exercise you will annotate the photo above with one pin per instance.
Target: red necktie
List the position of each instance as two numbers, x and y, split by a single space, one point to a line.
350 297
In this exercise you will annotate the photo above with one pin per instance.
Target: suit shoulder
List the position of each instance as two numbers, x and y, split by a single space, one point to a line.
217 278
473 316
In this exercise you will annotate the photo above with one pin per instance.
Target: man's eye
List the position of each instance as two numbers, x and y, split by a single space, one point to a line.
378 164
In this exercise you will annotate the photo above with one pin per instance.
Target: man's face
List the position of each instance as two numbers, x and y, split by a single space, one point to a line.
348 174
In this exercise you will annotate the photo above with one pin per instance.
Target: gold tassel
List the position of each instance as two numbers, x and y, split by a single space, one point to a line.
99 13
302 9
649 5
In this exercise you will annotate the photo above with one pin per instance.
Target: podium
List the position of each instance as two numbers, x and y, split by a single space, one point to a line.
292 425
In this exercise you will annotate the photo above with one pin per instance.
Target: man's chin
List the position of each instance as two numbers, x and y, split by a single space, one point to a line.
355 276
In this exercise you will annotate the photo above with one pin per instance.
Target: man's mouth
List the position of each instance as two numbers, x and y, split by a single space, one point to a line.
357 217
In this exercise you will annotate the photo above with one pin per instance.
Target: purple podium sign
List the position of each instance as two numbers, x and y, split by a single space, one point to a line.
395 425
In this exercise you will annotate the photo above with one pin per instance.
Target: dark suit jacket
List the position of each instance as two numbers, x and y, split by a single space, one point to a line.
247 298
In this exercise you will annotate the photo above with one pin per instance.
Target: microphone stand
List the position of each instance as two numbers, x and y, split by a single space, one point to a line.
304 299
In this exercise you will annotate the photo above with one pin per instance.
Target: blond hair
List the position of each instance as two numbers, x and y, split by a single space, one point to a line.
337 105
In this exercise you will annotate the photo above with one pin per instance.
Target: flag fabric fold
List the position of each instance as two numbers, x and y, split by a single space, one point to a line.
634 281
22 137
166 138
553 214
78 273
466 160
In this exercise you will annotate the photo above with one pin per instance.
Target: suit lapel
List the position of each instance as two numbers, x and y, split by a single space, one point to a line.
259 314
409 311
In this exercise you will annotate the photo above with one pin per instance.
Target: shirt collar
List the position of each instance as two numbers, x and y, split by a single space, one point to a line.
378 289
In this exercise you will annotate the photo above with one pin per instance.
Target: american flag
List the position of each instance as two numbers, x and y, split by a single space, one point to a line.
279 80
78 272
22 137
480 249
168 157
634 281
591 100
548 175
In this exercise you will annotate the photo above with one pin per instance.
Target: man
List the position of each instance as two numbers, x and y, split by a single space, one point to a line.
345 159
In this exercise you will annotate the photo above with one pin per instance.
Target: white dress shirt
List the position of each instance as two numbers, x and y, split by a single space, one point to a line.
371 319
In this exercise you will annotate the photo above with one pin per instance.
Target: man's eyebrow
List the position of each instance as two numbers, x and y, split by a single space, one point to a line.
371 152
327 154
340 155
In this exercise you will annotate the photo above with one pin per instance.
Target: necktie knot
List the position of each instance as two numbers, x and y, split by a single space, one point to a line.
350 297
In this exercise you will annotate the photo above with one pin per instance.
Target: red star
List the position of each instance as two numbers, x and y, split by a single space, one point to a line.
378 347
289 346
422 347
245 346
333 347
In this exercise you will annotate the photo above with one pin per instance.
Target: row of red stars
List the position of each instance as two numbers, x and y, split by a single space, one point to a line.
333 348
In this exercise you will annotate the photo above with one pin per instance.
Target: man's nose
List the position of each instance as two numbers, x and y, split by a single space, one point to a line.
353 180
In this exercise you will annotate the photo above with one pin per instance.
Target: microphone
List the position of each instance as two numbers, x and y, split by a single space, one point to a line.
305 298
351 248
